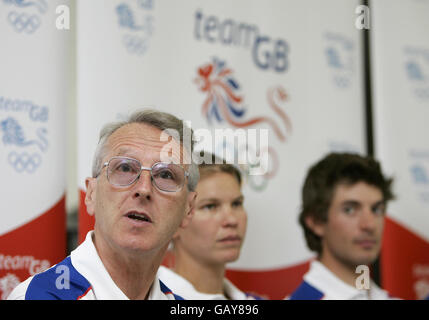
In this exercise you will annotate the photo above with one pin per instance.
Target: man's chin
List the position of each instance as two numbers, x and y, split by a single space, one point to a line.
365 260
133 244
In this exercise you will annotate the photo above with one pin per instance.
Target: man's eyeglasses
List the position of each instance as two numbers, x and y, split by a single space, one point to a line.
123 171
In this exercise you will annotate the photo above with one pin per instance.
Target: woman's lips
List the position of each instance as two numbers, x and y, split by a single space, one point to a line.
234 238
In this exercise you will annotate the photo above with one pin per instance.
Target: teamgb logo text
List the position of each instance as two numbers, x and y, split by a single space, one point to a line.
26 153
7 284
267 53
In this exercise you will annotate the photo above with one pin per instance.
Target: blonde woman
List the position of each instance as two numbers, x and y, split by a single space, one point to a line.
212 239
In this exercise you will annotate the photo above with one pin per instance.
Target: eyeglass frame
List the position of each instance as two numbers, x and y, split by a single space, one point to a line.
106 164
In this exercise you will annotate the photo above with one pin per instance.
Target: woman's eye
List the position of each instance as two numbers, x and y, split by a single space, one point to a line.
210 206
237 204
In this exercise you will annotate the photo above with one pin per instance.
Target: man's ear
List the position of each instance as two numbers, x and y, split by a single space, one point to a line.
190 209
318 227
91 184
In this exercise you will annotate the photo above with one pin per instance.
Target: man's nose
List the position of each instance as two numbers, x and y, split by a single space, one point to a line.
144 187
368 220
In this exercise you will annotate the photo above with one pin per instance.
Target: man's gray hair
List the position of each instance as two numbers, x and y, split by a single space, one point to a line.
161 120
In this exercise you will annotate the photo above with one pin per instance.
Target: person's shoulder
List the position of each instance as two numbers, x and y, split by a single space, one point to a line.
60 282
378 293
235 293
168 292
253 296
306 291
179 286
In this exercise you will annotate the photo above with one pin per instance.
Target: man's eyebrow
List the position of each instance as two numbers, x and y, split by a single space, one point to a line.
123 151
351 202
381 202
358 203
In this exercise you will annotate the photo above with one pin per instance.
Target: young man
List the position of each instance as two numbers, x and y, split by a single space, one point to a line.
344 204
139 202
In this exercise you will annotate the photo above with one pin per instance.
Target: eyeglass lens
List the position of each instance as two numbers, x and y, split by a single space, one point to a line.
166 176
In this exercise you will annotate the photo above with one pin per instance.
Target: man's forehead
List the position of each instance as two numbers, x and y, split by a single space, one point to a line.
132 138
358 191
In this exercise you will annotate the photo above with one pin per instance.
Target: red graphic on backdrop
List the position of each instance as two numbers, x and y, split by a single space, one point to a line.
32 247
223 102
402 255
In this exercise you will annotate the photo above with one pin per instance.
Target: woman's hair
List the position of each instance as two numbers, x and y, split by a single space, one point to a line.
216 165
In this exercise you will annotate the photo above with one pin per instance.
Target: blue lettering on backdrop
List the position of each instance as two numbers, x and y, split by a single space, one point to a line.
267 53
13 134
275 59
339 52
419 174
35 112
417 69
23 21
138 25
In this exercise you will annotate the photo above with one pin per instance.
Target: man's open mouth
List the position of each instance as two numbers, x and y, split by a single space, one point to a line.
138 216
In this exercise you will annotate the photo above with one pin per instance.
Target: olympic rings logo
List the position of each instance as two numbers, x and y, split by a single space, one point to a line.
23 22
135 44
24 162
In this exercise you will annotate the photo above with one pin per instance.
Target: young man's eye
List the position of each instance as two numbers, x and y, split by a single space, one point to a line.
349 209
379 210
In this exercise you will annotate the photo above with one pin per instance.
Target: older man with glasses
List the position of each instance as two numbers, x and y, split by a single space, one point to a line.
141 192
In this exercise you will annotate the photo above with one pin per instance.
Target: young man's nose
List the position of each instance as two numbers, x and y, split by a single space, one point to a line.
368 219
